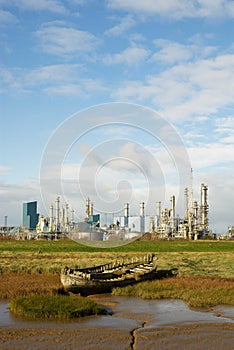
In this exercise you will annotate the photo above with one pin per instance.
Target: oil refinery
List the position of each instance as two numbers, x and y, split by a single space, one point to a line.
163 224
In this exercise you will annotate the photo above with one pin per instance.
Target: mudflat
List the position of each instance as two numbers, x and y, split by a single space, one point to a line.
134 324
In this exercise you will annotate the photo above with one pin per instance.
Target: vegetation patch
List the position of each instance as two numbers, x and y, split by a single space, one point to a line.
54 307
18 284
68 245
196 291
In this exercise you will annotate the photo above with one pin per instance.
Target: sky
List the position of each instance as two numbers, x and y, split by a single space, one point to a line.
116 100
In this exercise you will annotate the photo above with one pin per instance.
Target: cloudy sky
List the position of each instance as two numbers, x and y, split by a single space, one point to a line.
60 59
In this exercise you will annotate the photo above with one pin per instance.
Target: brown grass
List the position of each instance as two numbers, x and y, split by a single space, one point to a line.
13 285
196 291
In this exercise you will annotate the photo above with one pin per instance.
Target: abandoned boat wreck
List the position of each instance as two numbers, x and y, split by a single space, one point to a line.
103 278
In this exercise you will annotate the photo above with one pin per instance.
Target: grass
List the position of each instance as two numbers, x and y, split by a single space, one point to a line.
54 307
189 263
206 268
196 291
17 284
64 246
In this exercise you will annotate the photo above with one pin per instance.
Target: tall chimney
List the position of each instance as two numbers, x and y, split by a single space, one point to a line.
57 212
126 214
142 217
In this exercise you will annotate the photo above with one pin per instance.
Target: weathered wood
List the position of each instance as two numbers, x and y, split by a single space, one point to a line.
105 277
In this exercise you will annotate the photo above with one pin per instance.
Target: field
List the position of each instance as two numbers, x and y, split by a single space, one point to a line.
34 266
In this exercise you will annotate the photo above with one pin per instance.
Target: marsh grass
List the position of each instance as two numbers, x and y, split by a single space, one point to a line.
54 307
23 284
205 269
196 291
220 264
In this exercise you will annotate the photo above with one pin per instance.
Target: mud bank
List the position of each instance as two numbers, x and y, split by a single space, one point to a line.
134 324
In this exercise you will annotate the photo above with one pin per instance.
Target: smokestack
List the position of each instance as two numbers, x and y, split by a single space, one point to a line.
142 217
186 203
172 200
158 212
51 217
204 207
57 210
142 209
126 214
72 215
66 214
87 208
91 209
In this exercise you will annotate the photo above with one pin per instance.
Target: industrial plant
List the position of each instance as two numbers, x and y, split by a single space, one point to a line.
163 224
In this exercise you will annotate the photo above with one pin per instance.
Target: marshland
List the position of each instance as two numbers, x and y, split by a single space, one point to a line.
205 268
161 313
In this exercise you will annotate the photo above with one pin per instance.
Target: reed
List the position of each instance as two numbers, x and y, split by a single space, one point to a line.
220 264
54 307
23 284
196 291
205 268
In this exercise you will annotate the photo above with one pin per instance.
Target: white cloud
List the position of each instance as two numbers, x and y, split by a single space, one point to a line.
225 129
61 79
174 52
196 88
176 9
54 73
224 125
57 39
130 56
214 154
55 6
13 196
84 88
7 18
4 170
126 23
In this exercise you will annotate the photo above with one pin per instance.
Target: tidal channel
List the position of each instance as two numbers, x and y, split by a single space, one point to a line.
133 323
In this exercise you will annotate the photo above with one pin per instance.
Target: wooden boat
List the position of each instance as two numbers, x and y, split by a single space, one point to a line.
103 278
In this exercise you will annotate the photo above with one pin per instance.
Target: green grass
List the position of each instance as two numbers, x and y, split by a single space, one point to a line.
54 307
205 268
196 291
135 246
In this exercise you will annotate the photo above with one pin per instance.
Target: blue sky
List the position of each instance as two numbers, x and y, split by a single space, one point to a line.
58 58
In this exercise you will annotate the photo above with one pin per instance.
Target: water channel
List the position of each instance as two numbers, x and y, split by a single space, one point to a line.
133 324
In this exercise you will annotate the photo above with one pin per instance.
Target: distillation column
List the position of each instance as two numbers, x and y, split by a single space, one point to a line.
126 214
142 218
91 209
88 209
172 216
66 217
195 211
72 216
51 218
57 214
158 213
204 209
186 204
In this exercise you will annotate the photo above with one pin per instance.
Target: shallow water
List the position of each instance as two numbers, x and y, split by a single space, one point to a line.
134 324
127 309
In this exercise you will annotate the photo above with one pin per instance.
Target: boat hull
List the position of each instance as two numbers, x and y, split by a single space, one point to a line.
87 287
103 278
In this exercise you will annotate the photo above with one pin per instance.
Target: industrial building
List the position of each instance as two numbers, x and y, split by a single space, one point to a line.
30 216
163 224
60 219
193 225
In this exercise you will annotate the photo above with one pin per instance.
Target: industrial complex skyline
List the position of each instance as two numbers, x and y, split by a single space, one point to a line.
59 58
